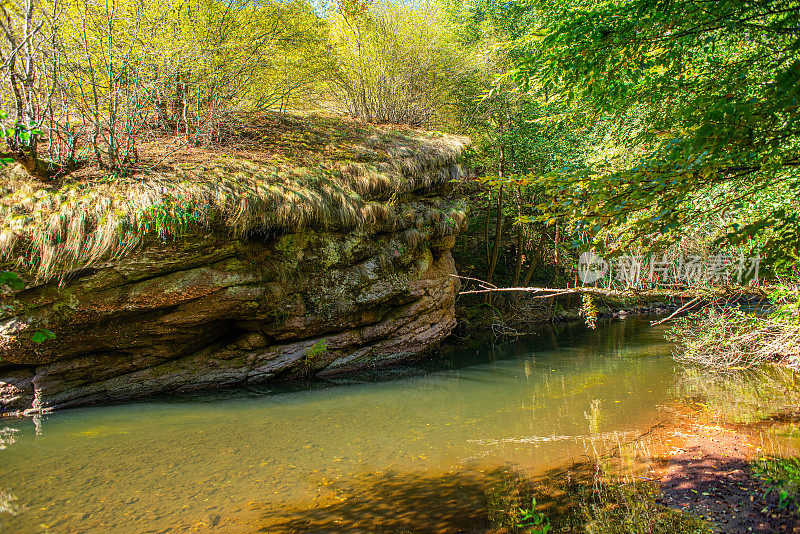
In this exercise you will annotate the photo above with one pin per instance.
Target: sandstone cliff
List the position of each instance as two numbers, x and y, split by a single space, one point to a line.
232 271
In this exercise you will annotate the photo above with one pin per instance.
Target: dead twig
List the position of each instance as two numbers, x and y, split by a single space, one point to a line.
685 307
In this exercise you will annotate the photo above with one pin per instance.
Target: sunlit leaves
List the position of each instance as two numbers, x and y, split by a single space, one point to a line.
12 280
40 336
697 96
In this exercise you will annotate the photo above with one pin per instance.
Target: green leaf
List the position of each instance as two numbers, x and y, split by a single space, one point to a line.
40 336
12 280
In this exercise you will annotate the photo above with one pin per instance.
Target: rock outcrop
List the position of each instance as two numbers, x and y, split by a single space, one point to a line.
210 308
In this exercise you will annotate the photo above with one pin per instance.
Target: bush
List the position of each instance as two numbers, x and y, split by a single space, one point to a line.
729 339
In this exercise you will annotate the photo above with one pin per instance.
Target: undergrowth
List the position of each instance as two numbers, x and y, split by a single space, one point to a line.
725 338
603 495
633 509
781 476
320 348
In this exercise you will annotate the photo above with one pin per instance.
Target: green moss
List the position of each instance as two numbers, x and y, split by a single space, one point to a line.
292 245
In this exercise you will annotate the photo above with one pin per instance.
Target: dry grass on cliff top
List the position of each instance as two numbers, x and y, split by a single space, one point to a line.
274 172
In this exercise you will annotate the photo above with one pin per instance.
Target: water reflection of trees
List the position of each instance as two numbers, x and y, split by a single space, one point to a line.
743 396
8 506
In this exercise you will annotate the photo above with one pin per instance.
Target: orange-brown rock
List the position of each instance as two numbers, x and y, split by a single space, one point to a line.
210 311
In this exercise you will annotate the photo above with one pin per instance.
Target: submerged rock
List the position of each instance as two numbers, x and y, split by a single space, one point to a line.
214 307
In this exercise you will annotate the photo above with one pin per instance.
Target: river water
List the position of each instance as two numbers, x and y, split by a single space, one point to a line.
306 460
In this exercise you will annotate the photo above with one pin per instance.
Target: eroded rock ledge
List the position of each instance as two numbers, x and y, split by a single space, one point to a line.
233 272
209 311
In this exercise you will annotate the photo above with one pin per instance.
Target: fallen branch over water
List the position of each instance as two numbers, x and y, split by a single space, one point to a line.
548 292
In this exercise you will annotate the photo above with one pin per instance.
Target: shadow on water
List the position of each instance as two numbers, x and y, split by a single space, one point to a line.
409 502
467 502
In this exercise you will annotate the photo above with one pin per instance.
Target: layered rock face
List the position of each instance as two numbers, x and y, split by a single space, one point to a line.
321 247
207 311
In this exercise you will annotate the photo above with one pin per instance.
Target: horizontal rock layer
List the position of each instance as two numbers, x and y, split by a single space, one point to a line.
208 310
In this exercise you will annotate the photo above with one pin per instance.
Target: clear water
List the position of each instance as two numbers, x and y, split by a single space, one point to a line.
232 462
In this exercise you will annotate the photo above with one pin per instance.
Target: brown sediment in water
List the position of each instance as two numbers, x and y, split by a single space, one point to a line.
393 502
694 465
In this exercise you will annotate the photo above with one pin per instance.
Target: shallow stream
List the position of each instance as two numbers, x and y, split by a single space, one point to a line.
240 461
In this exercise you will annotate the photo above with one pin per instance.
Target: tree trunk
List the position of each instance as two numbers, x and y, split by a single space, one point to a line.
486 229
535 257
556 267
520 242
179 104
35 166
498 226
555 256
498 231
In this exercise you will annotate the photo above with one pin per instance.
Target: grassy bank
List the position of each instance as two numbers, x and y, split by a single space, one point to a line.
727 460
589 496
696 474
275 173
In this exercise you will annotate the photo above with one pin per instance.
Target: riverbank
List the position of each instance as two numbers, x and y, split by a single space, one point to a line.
514 315
716 463
712 472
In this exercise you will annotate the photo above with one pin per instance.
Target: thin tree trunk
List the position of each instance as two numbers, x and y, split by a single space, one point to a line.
486 228
556 266
498 226
535 257
520 242
555 256
498 231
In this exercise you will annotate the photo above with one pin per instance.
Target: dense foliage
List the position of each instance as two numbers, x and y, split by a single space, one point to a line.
700 104
618 125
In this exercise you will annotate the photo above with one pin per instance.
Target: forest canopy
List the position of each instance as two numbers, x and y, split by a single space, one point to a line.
700 100
609 125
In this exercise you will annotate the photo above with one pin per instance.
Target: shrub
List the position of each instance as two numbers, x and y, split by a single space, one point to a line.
730 339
